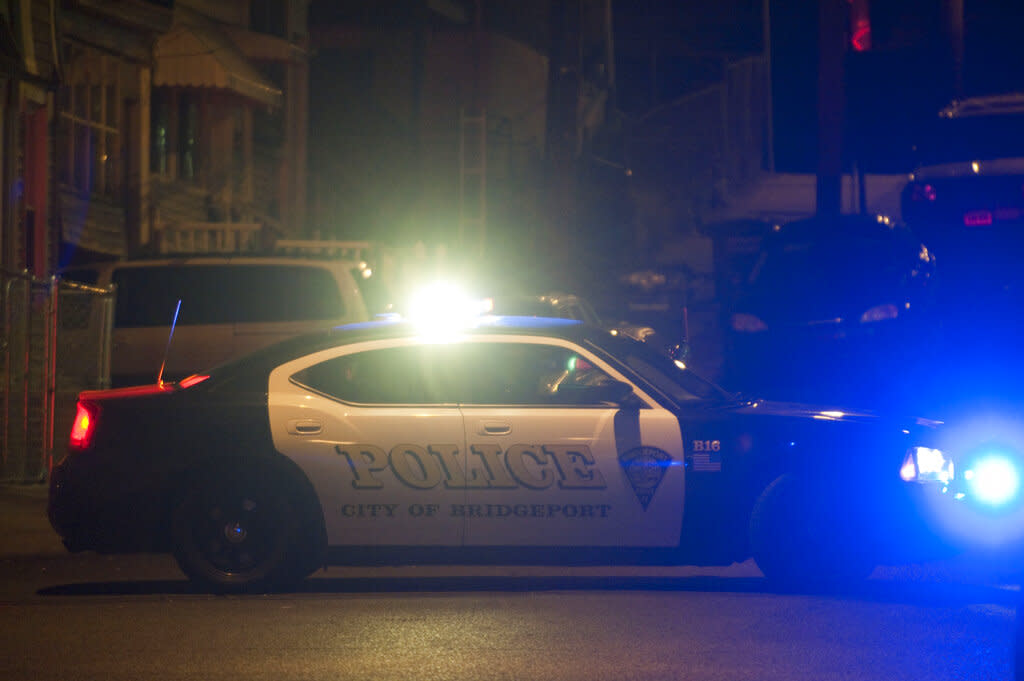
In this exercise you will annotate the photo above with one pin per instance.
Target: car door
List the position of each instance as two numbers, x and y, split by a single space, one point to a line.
550 465
371 428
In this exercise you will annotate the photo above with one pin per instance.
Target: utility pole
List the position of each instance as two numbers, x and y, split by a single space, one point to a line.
954 10
832 19
564 80
472 237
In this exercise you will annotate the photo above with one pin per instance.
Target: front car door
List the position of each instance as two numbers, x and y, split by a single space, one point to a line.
549 465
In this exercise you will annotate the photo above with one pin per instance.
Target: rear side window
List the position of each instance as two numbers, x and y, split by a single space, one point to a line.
472 373
225 294
405 375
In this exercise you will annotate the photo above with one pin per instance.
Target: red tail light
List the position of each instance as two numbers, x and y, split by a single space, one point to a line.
922 192
83 427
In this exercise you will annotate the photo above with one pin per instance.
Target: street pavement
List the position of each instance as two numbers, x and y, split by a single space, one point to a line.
24 528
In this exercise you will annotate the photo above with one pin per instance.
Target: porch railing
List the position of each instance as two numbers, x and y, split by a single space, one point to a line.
210 237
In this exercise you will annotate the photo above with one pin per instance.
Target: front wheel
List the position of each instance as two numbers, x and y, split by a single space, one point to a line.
234 534
799 538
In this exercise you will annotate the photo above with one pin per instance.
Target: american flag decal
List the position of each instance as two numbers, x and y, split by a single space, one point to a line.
705 462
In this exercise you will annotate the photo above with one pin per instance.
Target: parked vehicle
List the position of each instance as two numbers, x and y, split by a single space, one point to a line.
571 306
965 198
229 306
833 306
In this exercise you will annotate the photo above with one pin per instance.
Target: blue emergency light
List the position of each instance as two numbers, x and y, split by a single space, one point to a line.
993 479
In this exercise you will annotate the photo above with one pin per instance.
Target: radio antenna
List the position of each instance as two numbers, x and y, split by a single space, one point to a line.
174 322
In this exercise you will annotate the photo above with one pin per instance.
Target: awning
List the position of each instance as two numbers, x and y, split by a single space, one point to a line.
201 56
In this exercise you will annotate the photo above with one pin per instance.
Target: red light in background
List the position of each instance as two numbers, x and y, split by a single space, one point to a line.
922 192
861 38
860 25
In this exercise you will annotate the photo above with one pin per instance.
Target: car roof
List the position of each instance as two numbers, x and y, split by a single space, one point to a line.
493 324
825 229
987 105
384 329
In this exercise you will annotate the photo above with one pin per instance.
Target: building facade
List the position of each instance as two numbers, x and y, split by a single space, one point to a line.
180 125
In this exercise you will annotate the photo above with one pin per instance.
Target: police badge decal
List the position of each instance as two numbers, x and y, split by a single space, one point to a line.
645 469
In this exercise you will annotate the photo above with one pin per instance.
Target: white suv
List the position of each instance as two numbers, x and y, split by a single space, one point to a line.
230 305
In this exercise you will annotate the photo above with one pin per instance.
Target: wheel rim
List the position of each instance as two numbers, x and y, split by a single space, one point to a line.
235 535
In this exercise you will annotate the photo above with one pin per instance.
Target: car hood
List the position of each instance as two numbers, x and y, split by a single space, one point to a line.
844 301
805 411
818 412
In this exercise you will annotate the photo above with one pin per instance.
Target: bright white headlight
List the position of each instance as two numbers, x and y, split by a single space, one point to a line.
924 464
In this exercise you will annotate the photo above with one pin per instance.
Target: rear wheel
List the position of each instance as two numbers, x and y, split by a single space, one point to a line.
799 538
236 533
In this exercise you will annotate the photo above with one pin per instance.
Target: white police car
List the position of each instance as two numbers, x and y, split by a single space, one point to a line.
513 440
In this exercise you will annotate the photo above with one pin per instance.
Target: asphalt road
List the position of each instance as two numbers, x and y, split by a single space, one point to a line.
96 617
135 617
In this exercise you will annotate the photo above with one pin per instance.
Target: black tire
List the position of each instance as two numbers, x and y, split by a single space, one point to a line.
797 539
237 533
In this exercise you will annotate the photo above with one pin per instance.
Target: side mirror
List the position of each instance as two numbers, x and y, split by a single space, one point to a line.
615 392
680 351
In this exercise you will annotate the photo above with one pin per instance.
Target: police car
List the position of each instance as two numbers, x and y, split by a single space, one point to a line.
511 440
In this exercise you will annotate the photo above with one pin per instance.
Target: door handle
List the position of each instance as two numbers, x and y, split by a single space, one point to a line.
494 428
305 427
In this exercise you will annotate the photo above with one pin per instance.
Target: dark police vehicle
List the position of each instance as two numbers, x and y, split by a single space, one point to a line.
506 440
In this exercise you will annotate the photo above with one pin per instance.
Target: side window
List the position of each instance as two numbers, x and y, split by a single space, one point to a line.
530 374
405 375
284 293
148 296
225 294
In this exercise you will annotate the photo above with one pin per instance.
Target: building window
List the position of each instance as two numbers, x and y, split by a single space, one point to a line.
188 137
174 134
89 126
159 131
268 16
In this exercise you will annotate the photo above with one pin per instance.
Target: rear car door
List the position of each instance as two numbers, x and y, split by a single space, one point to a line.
549 465
373 429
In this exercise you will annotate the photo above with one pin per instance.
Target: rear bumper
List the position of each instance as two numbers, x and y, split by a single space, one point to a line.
91 511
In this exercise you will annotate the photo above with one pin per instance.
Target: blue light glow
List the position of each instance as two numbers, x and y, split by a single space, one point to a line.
993 480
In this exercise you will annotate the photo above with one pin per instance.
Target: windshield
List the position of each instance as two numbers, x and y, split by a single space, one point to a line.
668 376
796 269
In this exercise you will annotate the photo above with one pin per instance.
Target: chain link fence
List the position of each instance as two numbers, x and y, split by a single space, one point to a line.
54 343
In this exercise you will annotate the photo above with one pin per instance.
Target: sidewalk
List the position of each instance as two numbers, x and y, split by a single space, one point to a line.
24 528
